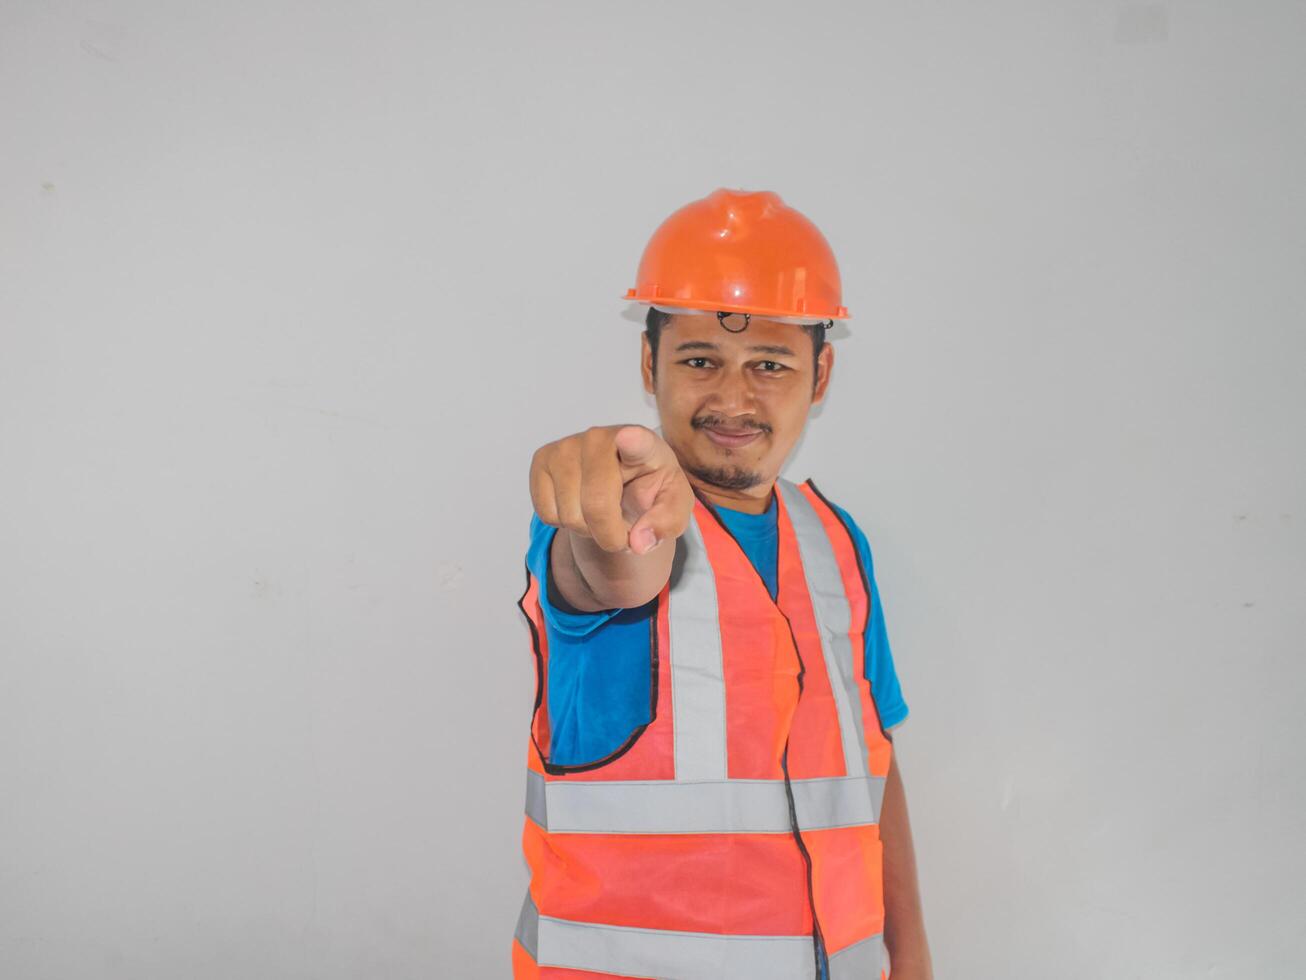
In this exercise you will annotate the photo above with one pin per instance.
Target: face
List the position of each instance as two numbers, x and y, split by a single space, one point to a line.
732 404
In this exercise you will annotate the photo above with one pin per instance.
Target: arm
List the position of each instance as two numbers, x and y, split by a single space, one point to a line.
621 580
904 923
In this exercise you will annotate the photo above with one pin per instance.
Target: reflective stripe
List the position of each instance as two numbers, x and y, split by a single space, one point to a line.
728 806
863 960
630 951
536 801
698 689
528 923
845 801
834 617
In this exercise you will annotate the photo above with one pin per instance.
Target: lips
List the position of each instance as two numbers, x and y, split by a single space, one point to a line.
732 439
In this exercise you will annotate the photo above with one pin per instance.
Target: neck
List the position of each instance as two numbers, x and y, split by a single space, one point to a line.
754 500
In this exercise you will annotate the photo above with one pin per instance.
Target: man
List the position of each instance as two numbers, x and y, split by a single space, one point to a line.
712 790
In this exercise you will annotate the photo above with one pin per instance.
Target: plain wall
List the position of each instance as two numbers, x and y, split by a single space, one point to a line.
290 293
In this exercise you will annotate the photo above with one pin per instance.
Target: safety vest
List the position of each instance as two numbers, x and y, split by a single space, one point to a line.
737 832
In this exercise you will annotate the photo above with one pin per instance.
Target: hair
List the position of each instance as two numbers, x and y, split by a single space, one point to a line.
656 320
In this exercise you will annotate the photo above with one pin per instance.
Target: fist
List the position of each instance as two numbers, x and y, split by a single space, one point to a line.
620 485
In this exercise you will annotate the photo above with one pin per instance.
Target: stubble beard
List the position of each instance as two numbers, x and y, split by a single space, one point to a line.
725 477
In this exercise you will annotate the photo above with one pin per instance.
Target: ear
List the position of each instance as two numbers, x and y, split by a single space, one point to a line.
824 366
646 364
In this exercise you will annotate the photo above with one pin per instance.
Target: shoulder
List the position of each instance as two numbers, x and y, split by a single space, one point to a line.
879 668
850 525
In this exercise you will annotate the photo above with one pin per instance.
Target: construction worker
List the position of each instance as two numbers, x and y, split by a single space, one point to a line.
711 784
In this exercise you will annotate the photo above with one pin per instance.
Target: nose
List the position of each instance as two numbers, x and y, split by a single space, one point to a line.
734 393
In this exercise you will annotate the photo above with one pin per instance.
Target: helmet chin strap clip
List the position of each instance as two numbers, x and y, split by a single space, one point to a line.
721 319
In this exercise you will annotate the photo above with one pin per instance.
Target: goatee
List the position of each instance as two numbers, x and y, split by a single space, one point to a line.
725 477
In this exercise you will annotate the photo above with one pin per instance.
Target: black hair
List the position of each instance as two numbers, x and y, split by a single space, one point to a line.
656 320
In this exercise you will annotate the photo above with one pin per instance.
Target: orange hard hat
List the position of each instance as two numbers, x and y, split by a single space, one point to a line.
740 252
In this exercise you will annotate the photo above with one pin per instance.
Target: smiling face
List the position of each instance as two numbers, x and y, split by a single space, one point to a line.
732 404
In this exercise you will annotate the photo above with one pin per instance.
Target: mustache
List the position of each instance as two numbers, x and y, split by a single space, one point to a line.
704 421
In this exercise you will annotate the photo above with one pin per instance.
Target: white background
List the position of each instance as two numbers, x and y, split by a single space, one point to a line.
290 292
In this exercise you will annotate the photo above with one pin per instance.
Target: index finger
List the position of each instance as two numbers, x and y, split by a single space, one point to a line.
639 451
601 486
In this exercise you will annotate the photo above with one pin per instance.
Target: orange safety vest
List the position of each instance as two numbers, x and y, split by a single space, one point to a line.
737 832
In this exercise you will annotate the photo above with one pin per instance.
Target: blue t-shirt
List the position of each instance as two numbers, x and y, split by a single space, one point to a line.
599 681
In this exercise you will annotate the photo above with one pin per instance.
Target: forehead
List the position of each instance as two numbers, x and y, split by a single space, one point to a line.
705 327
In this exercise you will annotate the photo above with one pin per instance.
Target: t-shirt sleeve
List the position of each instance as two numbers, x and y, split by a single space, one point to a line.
879 657
560 616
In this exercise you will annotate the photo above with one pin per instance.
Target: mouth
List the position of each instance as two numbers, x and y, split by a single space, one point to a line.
732 439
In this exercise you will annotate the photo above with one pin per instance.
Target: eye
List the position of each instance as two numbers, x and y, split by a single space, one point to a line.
691 361
775 367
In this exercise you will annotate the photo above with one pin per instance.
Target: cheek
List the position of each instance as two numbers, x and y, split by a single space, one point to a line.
790 413
677 394
676 406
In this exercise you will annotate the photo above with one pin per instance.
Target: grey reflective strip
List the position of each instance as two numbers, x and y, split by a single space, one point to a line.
528 922
730 806
635 952
536 798
834 619
862 960
838 802
698 689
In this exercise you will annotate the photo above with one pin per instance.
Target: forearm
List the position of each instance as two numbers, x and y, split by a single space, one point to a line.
904 926
590 578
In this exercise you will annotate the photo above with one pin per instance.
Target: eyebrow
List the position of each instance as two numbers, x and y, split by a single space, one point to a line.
760 348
